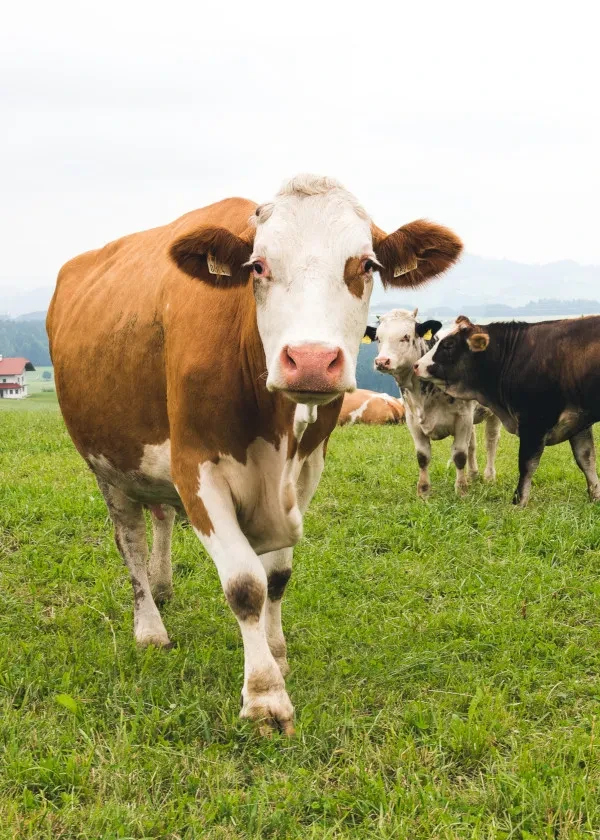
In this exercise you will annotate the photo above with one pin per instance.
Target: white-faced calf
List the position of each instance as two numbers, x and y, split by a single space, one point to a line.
542 380
431 414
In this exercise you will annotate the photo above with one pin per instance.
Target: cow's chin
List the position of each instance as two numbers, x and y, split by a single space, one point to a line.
311 397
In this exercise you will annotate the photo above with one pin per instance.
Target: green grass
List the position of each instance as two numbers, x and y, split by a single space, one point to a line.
445 661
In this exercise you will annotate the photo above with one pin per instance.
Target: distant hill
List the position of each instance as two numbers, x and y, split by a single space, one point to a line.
25 338
478 282
32 316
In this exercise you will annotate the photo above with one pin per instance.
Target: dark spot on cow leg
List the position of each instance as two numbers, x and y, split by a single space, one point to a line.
138 591
460 460
277 581
422 460
246 596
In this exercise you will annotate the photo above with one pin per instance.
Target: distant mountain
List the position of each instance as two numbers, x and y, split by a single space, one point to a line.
476 282
14 303
32 316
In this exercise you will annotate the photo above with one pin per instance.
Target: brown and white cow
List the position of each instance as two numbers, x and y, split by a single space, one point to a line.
430 413
370 408
201 366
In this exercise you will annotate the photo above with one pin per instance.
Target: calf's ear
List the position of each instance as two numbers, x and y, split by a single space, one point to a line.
371 332
215 255
415 253
423 329
478 342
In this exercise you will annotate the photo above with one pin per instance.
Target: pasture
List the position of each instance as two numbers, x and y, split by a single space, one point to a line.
445 660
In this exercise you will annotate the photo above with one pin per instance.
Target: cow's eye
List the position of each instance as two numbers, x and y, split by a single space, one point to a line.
368 265
260 268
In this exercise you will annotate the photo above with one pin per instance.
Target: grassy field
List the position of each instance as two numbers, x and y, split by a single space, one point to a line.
445 661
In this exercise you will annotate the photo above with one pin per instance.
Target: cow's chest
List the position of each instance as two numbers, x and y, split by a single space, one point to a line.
264 491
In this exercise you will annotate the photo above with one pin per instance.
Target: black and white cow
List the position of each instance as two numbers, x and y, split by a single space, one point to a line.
542 380
431 414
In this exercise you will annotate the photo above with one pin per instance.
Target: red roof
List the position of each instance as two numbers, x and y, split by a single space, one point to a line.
5 385
15 366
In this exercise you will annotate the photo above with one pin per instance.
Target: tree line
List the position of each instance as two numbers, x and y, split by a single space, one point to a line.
25 338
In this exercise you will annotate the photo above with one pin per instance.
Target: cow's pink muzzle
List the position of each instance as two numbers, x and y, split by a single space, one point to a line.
312 368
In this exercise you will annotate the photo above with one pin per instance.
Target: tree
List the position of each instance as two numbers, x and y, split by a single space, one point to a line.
46 375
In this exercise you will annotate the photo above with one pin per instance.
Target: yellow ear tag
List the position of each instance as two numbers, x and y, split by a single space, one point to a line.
398 272
427 335
366 340
216 267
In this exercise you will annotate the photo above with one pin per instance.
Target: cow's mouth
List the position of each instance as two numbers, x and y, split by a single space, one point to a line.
311 397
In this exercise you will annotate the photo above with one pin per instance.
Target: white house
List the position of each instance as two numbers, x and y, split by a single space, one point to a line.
12 378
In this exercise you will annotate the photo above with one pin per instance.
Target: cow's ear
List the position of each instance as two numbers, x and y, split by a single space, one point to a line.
478 342
423 329
463 322
215 255
415 252
371 332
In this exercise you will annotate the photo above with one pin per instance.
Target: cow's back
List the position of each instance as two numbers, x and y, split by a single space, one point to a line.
106 325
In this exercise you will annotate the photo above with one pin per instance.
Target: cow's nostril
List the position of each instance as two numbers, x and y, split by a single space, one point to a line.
335 363
290 361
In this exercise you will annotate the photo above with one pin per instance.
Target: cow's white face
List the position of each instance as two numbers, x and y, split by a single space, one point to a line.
312 269
310 255
399 346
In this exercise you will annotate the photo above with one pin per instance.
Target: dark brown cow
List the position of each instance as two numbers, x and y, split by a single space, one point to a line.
201 366
542 380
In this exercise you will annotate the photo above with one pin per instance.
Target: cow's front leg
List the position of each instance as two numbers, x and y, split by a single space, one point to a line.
245 583
423 448
278 566
531 446
463 431
584 453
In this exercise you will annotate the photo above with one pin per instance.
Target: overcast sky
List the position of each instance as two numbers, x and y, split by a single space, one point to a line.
121 116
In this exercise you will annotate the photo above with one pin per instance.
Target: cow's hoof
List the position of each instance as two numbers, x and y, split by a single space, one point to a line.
423 491
489 476
461 489
270 708
152 635
594 494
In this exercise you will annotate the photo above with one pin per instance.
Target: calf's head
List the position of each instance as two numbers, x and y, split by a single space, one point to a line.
401 341
310 255
455 362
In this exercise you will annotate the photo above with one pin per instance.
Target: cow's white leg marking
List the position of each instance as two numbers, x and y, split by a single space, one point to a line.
278 564
278 567
472 454
423 447
160 571
244 582
130 536
463 430
584 453
493 427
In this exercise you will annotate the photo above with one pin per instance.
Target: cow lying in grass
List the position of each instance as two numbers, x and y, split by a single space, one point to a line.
431 414
370 408
542 380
